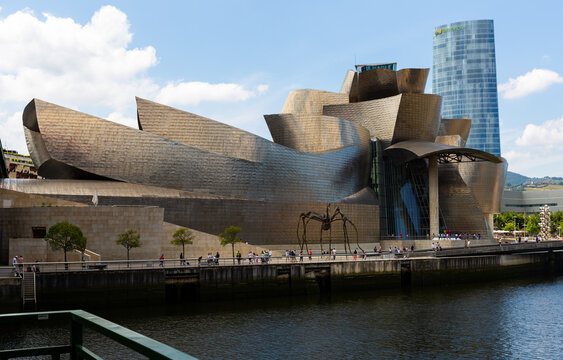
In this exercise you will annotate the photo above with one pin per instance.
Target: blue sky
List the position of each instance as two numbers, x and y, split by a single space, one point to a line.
234 61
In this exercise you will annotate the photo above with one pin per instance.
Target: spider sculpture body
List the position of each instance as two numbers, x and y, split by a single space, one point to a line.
326 221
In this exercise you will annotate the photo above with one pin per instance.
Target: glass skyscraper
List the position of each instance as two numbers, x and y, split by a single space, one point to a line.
464 74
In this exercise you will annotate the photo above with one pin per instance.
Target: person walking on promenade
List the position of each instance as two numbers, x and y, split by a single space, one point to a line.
355 254
161 260
239 257
310 254
182 262
301 256
250 257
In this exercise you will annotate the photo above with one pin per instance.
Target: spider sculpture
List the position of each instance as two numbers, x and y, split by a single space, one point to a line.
326 221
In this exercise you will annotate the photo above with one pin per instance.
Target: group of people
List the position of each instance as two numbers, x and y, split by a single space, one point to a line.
17 263
449 235
437 246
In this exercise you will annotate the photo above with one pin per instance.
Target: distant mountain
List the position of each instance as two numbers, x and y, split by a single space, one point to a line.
514 179
520 182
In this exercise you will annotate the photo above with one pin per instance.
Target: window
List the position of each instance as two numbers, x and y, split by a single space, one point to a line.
39 232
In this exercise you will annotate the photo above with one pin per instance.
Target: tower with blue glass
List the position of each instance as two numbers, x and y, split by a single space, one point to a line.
464 74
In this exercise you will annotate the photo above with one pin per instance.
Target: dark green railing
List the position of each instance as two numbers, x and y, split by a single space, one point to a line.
79 319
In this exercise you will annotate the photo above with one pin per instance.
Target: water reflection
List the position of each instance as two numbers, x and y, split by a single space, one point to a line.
510 320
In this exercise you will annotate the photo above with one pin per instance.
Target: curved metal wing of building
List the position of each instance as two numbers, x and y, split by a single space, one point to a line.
100 149
460 127
412 80
308 101
198 131
486 181
395 118
316 133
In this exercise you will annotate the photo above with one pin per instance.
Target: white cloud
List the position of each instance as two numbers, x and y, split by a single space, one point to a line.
90 66
548 135
539 150
531 82
192 93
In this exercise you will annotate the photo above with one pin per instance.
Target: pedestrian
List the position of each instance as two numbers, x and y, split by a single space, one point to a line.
355 254
301 256
161 260
182 259
239 257
333 253
433 247
217 258
468 243
310 254
250 257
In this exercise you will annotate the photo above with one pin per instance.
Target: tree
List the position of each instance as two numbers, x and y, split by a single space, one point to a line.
66 236
182 237
509 227
229 236
129 240
532 226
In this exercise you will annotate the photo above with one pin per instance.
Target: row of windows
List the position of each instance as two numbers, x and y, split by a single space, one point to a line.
530 205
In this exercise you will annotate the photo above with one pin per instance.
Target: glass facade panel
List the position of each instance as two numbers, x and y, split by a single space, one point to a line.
464 74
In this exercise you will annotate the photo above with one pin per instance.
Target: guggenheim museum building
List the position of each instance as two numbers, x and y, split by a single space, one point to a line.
377 150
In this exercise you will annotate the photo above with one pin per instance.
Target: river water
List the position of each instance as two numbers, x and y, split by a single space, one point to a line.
520 319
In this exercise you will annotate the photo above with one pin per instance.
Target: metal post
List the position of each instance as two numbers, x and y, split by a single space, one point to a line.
76 338
433 195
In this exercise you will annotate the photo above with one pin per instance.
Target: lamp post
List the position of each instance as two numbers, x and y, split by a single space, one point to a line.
514 219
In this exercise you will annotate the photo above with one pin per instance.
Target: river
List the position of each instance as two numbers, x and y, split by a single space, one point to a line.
517 319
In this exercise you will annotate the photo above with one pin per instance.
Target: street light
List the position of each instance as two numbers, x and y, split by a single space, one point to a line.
514 218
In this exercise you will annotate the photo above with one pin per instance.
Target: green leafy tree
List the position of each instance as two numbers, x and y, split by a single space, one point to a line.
129 240
532 225
182 237
229 236
509 227
66 236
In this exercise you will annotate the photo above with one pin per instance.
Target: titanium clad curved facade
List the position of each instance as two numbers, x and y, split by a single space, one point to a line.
373 84
412 80
307 101
464 74
449 140
486 181
198 131
347 83
460 210
396 118
459 127
113 151
316 133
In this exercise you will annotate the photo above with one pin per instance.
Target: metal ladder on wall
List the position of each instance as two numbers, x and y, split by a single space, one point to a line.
28 288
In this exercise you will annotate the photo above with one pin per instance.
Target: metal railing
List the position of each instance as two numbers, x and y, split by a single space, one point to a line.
77 320
204 262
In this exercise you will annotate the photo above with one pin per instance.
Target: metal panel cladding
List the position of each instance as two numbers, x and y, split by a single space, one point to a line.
465 76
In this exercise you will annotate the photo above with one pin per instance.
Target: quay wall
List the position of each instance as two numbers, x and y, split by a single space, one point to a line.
206 283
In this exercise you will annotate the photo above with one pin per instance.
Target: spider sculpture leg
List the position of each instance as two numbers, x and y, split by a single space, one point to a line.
321 238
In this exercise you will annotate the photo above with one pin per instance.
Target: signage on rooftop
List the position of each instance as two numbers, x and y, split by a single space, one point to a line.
443 31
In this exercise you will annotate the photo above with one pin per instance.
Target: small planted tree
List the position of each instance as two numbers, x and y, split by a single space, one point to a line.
129 240
66 236
182 237
229 236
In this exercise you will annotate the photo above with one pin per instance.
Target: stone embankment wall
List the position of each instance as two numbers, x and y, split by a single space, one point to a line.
146 286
